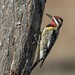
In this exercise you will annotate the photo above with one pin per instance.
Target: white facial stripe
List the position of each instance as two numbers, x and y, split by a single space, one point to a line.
55 21
59 20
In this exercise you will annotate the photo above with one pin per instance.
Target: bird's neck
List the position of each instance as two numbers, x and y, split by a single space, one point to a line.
51 28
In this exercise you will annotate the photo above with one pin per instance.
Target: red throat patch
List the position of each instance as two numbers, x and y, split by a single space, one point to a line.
53 24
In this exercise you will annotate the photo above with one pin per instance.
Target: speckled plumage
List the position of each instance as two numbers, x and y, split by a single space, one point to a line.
48 38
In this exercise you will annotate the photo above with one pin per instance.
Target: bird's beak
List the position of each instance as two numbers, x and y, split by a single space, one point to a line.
50 16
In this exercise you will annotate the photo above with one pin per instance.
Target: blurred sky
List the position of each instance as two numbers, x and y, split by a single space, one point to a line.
64 48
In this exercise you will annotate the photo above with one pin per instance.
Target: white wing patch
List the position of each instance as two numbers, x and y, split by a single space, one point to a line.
41 54
48 44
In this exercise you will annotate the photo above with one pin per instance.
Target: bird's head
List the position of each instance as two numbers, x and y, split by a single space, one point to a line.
56 21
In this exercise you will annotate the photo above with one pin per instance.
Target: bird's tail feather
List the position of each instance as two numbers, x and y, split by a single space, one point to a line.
42 62
35 64
43 59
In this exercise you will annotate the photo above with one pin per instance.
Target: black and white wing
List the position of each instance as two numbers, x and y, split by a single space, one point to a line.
50 42
48 39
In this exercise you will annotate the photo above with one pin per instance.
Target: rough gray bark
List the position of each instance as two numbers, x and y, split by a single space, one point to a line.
20 22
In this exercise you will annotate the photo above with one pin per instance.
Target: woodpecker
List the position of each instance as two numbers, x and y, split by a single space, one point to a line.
48 37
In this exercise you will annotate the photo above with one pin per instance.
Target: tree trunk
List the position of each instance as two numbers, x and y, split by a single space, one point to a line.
20 22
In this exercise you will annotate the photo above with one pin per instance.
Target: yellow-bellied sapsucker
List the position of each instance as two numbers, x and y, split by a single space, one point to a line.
48 38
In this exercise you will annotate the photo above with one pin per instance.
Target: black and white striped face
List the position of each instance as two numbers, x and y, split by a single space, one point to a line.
56 20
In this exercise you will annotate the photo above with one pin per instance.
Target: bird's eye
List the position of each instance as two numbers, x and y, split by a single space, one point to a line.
59 21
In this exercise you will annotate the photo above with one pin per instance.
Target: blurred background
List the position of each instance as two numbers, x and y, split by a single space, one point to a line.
61 59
